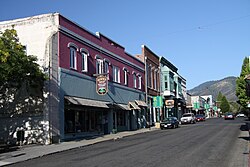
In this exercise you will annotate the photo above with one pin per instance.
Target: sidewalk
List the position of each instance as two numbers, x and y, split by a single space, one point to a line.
30 152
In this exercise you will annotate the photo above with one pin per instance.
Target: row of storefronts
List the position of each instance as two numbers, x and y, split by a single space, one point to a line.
132 93
87 117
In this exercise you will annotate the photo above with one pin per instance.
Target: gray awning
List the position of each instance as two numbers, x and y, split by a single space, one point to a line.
86 102
118 106
141 103
133 106
124 106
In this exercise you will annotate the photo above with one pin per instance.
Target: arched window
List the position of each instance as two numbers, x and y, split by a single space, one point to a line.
134 79
73 55
85 55
99 64
106 67
139 81
116 74
125 70
155 79
149 75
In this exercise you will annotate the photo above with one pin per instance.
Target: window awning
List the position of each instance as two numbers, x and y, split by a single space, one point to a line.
124 106
133 106
141 103
118 106
86 102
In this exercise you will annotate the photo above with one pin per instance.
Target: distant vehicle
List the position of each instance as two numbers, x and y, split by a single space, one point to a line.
170 122
240 115
188 118
200 117
228 116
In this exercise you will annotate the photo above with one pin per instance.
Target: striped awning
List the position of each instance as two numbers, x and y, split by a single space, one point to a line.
133 106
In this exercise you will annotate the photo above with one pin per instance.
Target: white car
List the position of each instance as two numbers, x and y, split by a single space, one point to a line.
188 118
240 115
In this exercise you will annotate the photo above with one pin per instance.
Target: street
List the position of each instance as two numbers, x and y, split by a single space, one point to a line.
215 142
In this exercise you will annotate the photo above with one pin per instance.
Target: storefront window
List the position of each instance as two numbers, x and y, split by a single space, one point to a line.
121 118
79 121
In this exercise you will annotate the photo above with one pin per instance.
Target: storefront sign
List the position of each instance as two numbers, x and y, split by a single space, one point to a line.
169 103
196 105
101 84
157 101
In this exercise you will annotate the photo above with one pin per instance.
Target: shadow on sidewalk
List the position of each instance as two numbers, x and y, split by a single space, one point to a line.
80 138
8 149
245 127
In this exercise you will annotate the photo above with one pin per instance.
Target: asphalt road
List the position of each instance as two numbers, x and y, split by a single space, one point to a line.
215 142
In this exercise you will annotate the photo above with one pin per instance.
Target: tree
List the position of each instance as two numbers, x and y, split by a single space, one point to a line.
21 80
224 105
219 97
241 84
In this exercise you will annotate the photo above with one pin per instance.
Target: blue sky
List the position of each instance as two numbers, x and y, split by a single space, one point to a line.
205 39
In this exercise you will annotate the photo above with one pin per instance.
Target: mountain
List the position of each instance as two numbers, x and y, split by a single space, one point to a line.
226 86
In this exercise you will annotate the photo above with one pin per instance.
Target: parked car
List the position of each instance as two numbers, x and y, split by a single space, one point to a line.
200 117
229 116
240 115
170 122
188 118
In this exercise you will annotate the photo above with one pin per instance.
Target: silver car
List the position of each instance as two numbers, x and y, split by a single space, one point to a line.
188 118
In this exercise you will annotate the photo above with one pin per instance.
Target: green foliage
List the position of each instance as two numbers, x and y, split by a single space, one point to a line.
224 105
21 80
235 107
219 97
241 84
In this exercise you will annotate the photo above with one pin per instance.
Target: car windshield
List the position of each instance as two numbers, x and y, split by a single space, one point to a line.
168 119
199 116
187 115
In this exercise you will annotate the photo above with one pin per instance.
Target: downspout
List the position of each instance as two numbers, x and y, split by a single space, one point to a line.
146 88
146 80
161 109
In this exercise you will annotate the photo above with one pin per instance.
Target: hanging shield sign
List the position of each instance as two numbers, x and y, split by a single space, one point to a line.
101 84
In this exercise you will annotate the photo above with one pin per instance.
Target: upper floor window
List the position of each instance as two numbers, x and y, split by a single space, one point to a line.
166 82
151 77
99 66
139 81
73 55
106 67
84 54
116 74
171 81
134 80
155 79
149 74
125 76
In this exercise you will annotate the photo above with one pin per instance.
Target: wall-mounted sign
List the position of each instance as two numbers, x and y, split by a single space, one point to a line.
157 101
169 103
101 84
196 105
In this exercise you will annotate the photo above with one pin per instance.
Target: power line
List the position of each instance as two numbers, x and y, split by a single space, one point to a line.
209 25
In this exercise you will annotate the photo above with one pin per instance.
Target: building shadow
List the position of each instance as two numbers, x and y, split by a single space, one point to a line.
245 127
